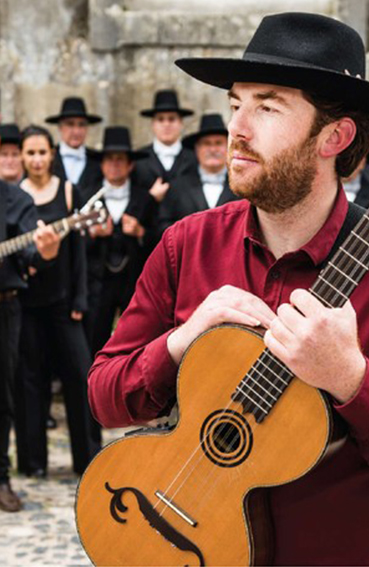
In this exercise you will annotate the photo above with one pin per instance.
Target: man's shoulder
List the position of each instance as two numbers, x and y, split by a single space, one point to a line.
207 224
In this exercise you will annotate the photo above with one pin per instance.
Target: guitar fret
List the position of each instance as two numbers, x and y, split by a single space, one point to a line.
332 286
261 386
360 238
263 376
253 391
342 273
274 373
268 354
252 401
366 268
319 297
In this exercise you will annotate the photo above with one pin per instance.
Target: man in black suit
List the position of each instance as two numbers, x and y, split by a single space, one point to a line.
116 250
73 160
207 186
167 159
17 215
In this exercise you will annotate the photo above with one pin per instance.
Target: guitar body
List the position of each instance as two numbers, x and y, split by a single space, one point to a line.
205 467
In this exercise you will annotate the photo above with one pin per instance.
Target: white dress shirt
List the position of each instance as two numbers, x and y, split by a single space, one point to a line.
352 188
167 154
74 161
212 185
117 199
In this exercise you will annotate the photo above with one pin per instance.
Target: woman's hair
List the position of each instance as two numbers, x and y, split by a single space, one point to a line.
33 130
328 112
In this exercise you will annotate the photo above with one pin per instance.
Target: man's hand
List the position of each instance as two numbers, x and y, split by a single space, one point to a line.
318 344
132 227
76 315
225 305
159 190
47 241
102 230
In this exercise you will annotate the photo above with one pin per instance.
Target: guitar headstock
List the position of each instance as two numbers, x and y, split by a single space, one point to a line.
96 215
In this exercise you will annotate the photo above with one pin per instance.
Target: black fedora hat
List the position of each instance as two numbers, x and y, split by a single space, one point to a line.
118 139
209 124
73 107
166 101
10 134
299 50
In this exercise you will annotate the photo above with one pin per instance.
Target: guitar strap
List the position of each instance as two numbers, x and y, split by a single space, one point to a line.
354 214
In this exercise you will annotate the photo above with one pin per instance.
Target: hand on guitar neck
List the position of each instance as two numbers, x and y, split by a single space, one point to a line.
317 343
47 241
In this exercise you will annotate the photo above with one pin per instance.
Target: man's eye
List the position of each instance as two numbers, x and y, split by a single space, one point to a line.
234 107
268 109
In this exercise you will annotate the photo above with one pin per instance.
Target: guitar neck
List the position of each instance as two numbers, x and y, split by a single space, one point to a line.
268 378
348 266
20 242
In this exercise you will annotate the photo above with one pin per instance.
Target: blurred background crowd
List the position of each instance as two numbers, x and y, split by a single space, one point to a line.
94 105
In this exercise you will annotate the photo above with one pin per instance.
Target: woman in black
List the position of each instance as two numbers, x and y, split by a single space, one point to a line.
52 332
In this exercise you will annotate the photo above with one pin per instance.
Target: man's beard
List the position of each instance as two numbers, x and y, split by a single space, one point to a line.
284 181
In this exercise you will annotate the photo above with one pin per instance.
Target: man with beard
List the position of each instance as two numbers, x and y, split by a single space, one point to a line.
205 187
300 110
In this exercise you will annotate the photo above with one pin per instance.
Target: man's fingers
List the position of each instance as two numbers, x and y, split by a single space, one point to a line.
305 302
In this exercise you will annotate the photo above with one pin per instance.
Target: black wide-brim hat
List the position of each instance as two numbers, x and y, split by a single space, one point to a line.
10 134
210 124
73 107
166 101
299 50
118 139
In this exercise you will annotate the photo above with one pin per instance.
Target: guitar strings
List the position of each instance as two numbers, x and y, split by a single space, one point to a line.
350 263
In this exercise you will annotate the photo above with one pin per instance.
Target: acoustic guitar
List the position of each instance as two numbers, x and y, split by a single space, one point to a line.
245 422
77 221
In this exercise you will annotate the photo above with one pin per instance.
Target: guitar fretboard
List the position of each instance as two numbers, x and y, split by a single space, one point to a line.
17 243
266 381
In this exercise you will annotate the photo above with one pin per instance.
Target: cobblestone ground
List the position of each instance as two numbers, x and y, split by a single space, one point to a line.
44 532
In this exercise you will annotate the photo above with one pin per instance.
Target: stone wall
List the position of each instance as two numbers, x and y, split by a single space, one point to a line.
116 53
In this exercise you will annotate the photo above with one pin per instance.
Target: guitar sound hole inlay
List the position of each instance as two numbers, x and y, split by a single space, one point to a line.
226 438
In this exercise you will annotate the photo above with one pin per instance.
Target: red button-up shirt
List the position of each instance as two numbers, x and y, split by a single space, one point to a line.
321 519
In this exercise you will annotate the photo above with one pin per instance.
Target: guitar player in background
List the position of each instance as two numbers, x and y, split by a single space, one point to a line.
17 215
300 122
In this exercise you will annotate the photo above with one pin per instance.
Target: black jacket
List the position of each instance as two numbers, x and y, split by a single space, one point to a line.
18 215
91 177
147 170
186 196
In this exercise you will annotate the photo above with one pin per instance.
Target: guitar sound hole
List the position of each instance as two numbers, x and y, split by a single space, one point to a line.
227 438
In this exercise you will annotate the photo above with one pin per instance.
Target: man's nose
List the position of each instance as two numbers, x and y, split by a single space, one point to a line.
239 125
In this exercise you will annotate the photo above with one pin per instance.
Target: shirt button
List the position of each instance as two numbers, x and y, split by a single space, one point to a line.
275 274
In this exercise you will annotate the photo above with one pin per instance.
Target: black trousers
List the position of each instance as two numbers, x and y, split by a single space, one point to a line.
49 331
10 322
116 292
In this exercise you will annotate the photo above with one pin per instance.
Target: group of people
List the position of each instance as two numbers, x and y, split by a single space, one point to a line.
299 127
68 305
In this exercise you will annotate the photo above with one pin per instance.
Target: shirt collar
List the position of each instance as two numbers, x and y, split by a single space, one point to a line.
67 151
165 150
320 245
117 193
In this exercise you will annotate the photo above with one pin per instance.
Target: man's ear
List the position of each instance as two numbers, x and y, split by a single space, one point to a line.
338 137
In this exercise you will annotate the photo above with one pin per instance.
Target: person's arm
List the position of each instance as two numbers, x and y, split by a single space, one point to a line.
321 347
133 377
